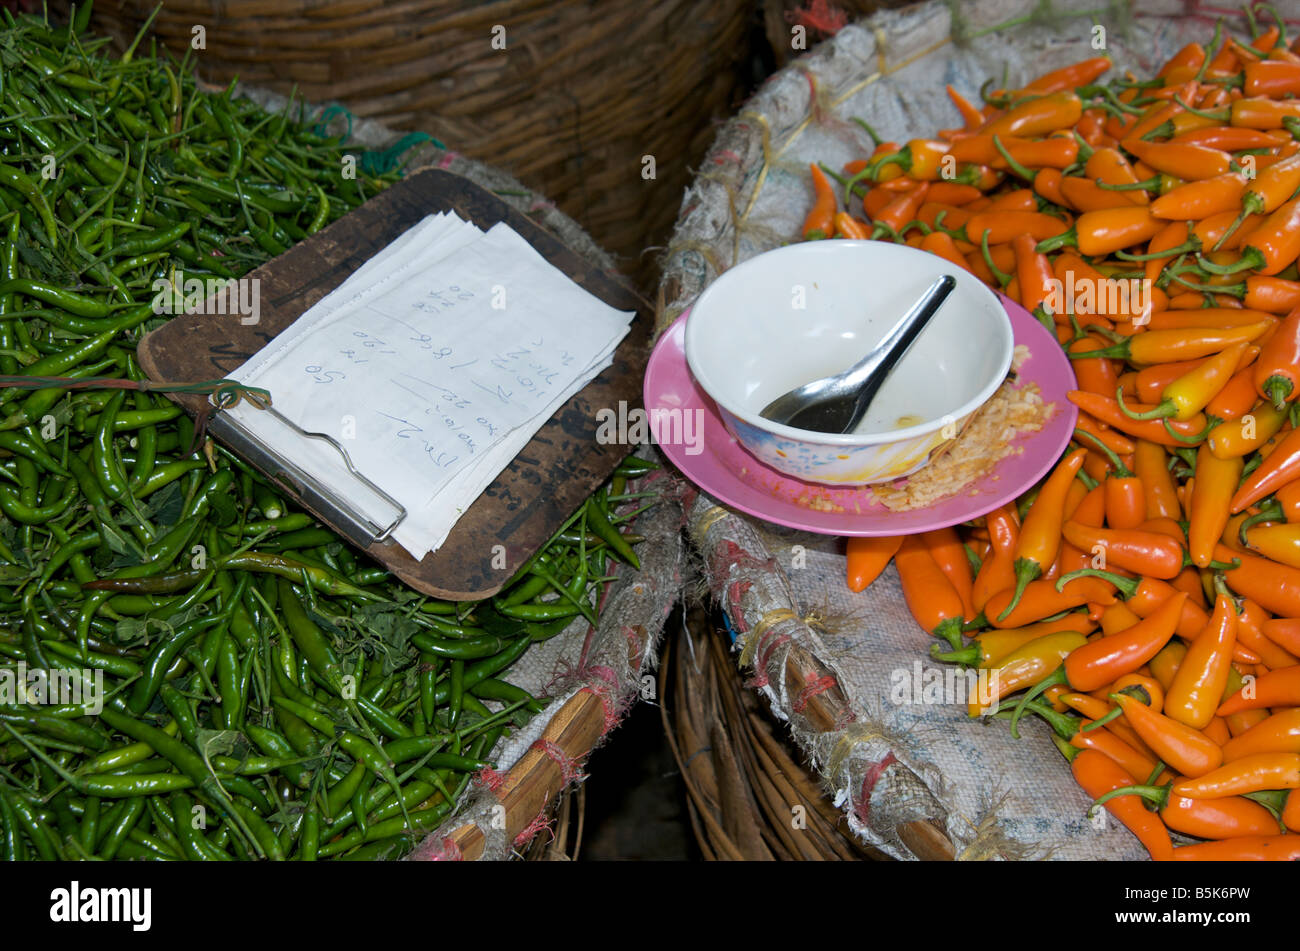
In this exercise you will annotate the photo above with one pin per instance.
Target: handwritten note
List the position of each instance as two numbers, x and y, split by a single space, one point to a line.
432 366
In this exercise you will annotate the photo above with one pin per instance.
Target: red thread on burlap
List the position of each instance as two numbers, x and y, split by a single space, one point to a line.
869 780
539 823
763 655
726 155
607 694
489 779
735 591
636 648
811 689
444 850
447 159
818 15
570 769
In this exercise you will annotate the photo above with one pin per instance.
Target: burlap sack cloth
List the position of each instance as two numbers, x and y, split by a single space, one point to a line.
589 677
915 778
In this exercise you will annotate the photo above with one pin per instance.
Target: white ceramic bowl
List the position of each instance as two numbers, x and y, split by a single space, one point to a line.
805 311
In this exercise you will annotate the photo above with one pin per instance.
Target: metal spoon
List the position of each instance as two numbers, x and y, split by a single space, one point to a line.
836 404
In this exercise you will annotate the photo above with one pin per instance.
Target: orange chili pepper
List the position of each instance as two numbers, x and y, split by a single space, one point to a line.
1166 346
1047 183
1151 688
1275 587
1129 549
1216 480
1035 275
997 572
971 116
1104 232
1280 733
1228 138
936 242
1098 775
1284 632
1249 636
868 557
902 209
949 554
1278 368
952 193
1278 688
919 159
1082 194
1070 77
821 217
1246 435
1217 730
1229 818
1252 848
1108 411
1042 599
1221 317
1236 398
1246 775
1109 166
1117 617
1150 462
1281 467
1098 663
1025 153
1037 117
1187 750
1291 812
1199 199
1269 248
846 226
1273 295
1263 113
1164 666
1188 162
1115 441
1198 686
1289 498
930 596
1271 78
1003 226
1040 535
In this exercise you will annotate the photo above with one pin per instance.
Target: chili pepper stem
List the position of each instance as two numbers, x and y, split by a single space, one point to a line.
1155 794
1026 570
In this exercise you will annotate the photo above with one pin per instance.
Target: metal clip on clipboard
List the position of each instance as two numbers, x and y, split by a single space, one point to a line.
355 525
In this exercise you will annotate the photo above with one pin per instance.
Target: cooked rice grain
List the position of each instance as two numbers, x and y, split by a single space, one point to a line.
987 439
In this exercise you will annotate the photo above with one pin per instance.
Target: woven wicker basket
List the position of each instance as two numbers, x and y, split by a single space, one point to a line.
578 96
749 795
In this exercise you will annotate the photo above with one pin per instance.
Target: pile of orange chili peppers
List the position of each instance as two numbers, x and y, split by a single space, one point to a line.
1146 596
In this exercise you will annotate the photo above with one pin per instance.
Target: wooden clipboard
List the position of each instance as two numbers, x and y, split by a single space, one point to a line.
546 482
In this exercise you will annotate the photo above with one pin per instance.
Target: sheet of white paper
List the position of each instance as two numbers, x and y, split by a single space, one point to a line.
433 365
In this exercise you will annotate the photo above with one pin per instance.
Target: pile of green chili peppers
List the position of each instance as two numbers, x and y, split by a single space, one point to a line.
266 693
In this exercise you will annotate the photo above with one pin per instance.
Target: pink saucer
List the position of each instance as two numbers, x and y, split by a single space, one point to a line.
732 476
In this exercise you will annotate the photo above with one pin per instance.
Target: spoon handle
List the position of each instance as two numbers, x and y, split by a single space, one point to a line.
868 376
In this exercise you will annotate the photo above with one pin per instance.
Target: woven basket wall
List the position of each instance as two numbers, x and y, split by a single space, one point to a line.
581 92
749 795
